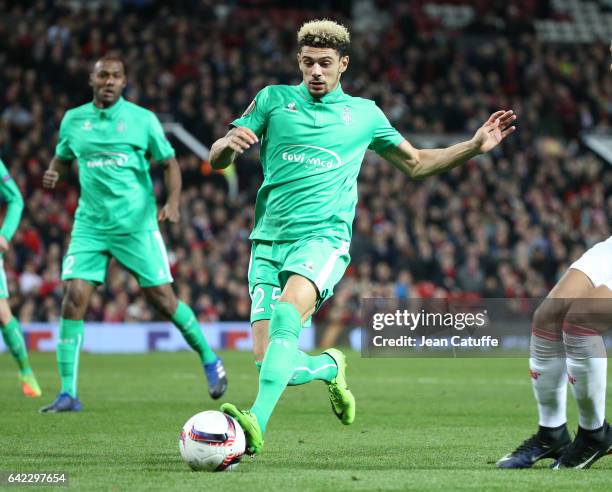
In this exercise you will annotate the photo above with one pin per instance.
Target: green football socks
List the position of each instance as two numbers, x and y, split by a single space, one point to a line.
310 367
15 343
279 361
68 351
185 320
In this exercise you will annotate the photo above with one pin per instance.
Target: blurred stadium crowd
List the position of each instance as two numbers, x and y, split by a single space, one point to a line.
504 225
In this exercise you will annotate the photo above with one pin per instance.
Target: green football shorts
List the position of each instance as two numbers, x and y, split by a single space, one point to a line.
3 283
143 253
322 260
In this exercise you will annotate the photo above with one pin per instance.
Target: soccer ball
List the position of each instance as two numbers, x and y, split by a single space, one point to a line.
212 441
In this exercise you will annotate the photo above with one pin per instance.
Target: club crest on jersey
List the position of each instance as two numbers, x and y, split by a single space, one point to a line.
87 125
346 116
121 126
291 107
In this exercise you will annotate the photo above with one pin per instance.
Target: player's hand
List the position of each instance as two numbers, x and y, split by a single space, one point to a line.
496 128
3 245
50 178
170 212
240 139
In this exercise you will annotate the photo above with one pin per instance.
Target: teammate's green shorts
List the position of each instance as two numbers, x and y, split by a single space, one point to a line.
3 283
142 253
322 260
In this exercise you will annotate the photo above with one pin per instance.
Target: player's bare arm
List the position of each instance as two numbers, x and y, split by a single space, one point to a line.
420 163
4 245
236 141
57 169
172 177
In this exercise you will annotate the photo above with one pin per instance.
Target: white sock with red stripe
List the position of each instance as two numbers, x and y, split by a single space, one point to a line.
548 377
587 367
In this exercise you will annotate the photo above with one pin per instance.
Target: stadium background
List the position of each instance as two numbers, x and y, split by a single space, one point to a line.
505 225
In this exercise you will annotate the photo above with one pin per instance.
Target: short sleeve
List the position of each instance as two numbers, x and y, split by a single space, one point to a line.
158 146
62 149
255 117
384 134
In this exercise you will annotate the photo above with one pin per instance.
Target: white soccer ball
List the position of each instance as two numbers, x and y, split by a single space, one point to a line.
212 441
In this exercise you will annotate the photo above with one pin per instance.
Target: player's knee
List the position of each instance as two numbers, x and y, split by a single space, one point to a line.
164 303
74 303
259 353
286 322
303 307
5 312
548 317
5 319
588 316
290 296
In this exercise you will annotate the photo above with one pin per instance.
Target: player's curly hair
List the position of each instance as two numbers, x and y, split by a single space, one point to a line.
324 33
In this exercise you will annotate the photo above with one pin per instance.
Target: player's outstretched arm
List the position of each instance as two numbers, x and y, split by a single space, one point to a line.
174 182
420 163
57 169
236 141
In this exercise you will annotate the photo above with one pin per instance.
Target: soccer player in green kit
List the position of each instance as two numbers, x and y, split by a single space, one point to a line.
313 139
112 140
9 326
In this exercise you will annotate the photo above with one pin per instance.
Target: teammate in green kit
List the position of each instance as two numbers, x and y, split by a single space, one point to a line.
9 326
112 141
313 139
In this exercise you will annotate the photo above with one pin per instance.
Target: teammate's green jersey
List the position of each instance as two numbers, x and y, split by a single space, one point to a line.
113 147
311 153
14 203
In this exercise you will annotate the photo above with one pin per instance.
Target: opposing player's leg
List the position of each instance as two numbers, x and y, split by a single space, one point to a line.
547 366
74 306
15 343
587 367
144 254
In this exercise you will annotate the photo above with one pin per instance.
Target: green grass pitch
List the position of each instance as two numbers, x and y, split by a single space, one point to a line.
426 424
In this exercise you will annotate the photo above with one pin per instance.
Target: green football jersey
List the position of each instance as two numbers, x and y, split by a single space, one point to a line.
311 153
14 203
113 147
